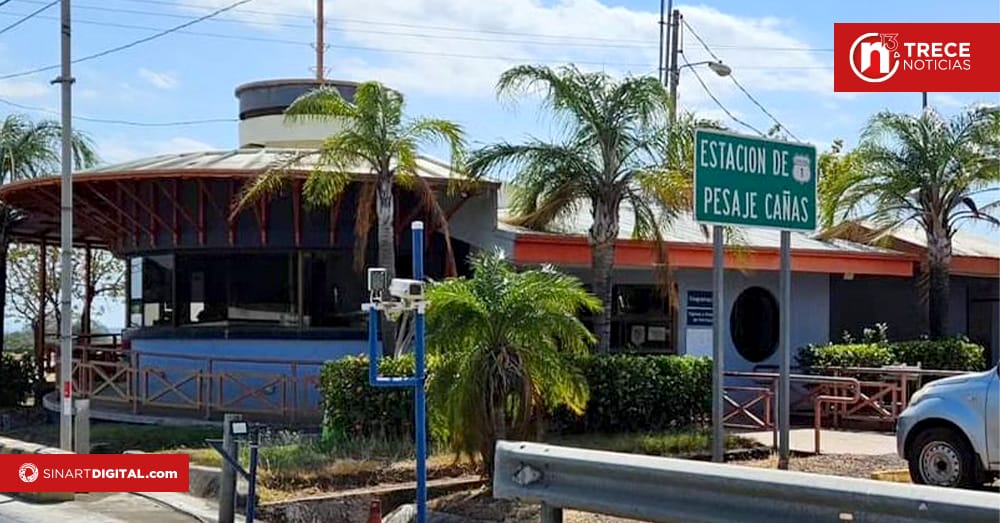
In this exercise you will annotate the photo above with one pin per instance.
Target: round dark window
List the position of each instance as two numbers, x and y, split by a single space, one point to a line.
753 324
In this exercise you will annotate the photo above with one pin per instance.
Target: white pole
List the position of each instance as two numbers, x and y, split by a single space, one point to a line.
66 240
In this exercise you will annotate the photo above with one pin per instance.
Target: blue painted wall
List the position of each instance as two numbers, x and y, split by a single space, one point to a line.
251 386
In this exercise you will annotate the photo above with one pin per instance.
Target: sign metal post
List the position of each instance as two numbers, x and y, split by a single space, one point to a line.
746 181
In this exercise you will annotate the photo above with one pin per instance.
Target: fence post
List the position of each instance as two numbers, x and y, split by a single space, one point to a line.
81 431
227 487
551 514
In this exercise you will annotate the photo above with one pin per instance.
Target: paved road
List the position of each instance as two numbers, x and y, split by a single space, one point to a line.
834 441
91 508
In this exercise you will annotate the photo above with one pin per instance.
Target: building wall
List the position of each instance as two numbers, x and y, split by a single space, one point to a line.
810 308
810 311
864 301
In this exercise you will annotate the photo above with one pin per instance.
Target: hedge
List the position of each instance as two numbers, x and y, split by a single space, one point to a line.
627 393
17 374
946 354
352 408
641 393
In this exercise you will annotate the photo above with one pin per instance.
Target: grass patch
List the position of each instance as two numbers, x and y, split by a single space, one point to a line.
115 438
678 443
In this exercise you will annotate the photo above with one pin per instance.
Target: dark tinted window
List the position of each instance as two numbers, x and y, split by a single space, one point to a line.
753 324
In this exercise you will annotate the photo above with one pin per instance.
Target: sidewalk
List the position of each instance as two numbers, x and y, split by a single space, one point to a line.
833 441
112 508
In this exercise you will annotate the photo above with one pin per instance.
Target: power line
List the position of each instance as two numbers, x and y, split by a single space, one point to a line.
131 44
28 16
740 86
607 42
386 50
716 100
122 122
191 33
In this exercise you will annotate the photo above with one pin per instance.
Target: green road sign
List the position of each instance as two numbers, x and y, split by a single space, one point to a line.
743 180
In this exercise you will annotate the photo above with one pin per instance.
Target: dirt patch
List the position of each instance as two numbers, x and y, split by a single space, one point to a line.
350 474
850 465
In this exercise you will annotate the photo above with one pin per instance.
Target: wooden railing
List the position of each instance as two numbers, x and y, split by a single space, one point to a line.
204 386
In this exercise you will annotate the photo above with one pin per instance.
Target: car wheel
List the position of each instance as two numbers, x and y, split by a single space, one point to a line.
941 457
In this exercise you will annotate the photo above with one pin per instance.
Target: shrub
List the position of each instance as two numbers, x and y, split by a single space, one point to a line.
17 375
627 393
847 355
641 393
945 354
352 408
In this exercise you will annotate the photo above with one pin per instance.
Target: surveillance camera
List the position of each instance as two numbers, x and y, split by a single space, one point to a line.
407 290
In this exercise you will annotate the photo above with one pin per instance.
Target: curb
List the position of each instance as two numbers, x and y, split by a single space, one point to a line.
16 446
895 476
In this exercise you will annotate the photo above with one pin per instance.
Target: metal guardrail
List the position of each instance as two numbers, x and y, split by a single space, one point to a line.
682 491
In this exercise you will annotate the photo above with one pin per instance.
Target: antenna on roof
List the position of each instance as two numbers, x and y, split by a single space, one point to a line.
320 41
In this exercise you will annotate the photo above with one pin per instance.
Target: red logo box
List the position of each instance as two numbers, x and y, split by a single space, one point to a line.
94 472
891 57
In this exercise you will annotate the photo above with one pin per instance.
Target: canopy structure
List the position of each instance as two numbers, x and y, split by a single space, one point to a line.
185 200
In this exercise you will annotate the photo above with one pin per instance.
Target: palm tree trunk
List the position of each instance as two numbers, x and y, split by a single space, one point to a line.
938 268
603 233
385 216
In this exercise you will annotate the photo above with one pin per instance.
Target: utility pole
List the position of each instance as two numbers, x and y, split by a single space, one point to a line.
666 6
65 80
675 73
320 41
925 100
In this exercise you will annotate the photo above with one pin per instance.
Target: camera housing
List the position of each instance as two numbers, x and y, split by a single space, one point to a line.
407 290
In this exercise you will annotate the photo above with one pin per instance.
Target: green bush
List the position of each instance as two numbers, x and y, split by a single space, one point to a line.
17 375
352 408
627 393
641 393
845 355
946 354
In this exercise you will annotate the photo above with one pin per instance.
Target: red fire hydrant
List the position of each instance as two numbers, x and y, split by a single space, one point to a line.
375 512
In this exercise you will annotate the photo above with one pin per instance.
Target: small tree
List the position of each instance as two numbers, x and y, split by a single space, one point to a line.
925 170
507 337
28 150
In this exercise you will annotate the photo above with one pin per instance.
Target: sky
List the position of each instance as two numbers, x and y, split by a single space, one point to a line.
445 56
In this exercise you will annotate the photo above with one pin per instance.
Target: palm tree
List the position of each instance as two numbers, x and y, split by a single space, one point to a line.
610 152
507 335
376 135
925 170
27 150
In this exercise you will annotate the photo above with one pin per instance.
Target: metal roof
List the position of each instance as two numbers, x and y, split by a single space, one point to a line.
253 159
963 243
683 229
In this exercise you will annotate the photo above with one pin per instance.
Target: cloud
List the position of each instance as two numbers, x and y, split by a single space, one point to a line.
160 80
24 89
117 149
459 47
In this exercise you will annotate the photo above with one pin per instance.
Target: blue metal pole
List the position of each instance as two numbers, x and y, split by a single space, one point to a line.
419 403
373 352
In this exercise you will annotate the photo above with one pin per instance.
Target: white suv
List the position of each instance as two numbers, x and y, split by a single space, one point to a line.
950 432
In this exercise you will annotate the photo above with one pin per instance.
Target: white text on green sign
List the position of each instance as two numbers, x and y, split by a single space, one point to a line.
742 180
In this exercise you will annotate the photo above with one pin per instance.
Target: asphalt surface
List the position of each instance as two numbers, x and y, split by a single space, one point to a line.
91 508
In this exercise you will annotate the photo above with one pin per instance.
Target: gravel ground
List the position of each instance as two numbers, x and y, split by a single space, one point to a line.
478 506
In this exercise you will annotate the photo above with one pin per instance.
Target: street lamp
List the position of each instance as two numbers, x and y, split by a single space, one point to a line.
716 66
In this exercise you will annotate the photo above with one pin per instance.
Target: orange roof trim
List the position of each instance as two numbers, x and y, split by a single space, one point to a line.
563 250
